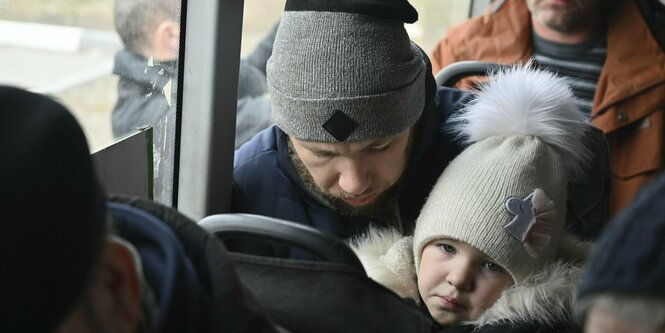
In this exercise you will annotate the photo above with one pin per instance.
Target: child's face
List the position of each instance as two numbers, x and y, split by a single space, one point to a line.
458 282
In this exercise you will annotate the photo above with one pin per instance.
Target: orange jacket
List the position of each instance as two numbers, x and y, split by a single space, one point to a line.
629 103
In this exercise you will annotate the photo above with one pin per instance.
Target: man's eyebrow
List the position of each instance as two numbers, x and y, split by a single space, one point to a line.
311 146
381 141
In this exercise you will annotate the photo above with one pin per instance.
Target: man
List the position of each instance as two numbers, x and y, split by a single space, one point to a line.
359 135
622 290
73 263
616 66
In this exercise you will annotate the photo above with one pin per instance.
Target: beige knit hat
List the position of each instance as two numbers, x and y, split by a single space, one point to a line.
506 193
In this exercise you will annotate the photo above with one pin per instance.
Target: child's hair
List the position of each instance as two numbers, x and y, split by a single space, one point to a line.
505 194
135 19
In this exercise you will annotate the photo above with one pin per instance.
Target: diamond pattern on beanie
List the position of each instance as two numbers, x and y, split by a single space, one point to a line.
339 125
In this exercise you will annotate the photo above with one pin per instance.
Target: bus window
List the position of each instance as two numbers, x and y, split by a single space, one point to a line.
115 80
68 49
260 21
433 19
209 103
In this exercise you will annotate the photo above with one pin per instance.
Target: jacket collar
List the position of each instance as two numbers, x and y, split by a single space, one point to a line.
509 21
633 69
387 258
149 74
168 271
532 300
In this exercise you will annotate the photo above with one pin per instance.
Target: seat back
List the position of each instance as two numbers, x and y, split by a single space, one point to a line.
588 197
332 294
319 244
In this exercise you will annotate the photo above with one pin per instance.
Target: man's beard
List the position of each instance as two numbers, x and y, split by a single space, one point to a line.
572 21
383 200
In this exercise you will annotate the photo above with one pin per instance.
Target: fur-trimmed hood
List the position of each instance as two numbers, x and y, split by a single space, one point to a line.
547 296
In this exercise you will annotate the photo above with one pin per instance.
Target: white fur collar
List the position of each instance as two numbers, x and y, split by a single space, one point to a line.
387 257
546 296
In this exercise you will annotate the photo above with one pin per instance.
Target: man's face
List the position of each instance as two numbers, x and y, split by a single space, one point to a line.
355 174
457 282
564 16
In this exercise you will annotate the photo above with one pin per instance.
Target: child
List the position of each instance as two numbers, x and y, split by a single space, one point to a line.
489 251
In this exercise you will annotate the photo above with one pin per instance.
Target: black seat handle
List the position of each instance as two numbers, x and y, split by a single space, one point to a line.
325 246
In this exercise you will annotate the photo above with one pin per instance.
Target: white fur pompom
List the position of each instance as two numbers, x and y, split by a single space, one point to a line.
521 100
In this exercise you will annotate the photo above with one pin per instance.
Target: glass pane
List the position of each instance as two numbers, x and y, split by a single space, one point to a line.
434 17
260 21
113 80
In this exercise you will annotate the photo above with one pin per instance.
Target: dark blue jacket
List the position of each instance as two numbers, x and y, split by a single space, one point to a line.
267 183
193 284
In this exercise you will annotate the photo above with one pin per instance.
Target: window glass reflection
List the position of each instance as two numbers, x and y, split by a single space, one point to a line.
113 63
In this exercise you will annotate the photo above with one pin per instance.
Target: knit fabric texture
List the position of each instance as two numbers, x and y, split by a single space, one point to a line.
629 257
345 71
468 201
505 194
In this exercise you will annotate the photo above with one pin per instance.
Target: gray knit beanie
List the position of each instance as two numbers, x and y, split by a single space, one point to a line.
346 71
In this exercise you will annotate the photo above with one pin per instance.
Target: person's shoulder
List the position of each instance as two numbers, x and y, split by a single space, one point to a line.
452 99
256 167
262 145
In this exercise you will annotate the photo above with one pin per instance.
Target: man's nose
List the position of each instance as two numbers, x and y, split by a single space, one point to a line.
354 178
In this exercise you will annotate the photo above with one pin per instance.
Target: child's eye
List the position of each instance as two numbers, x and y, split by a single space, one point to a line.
492 267
447 248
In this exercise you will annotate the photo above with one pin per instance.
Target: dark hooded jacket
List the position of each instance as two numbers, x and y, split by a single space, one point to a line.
266 181
193 284
142 98
147 94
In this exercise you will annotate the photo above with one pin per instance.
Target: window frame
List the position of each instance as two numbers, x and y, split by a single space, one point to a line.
209 100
